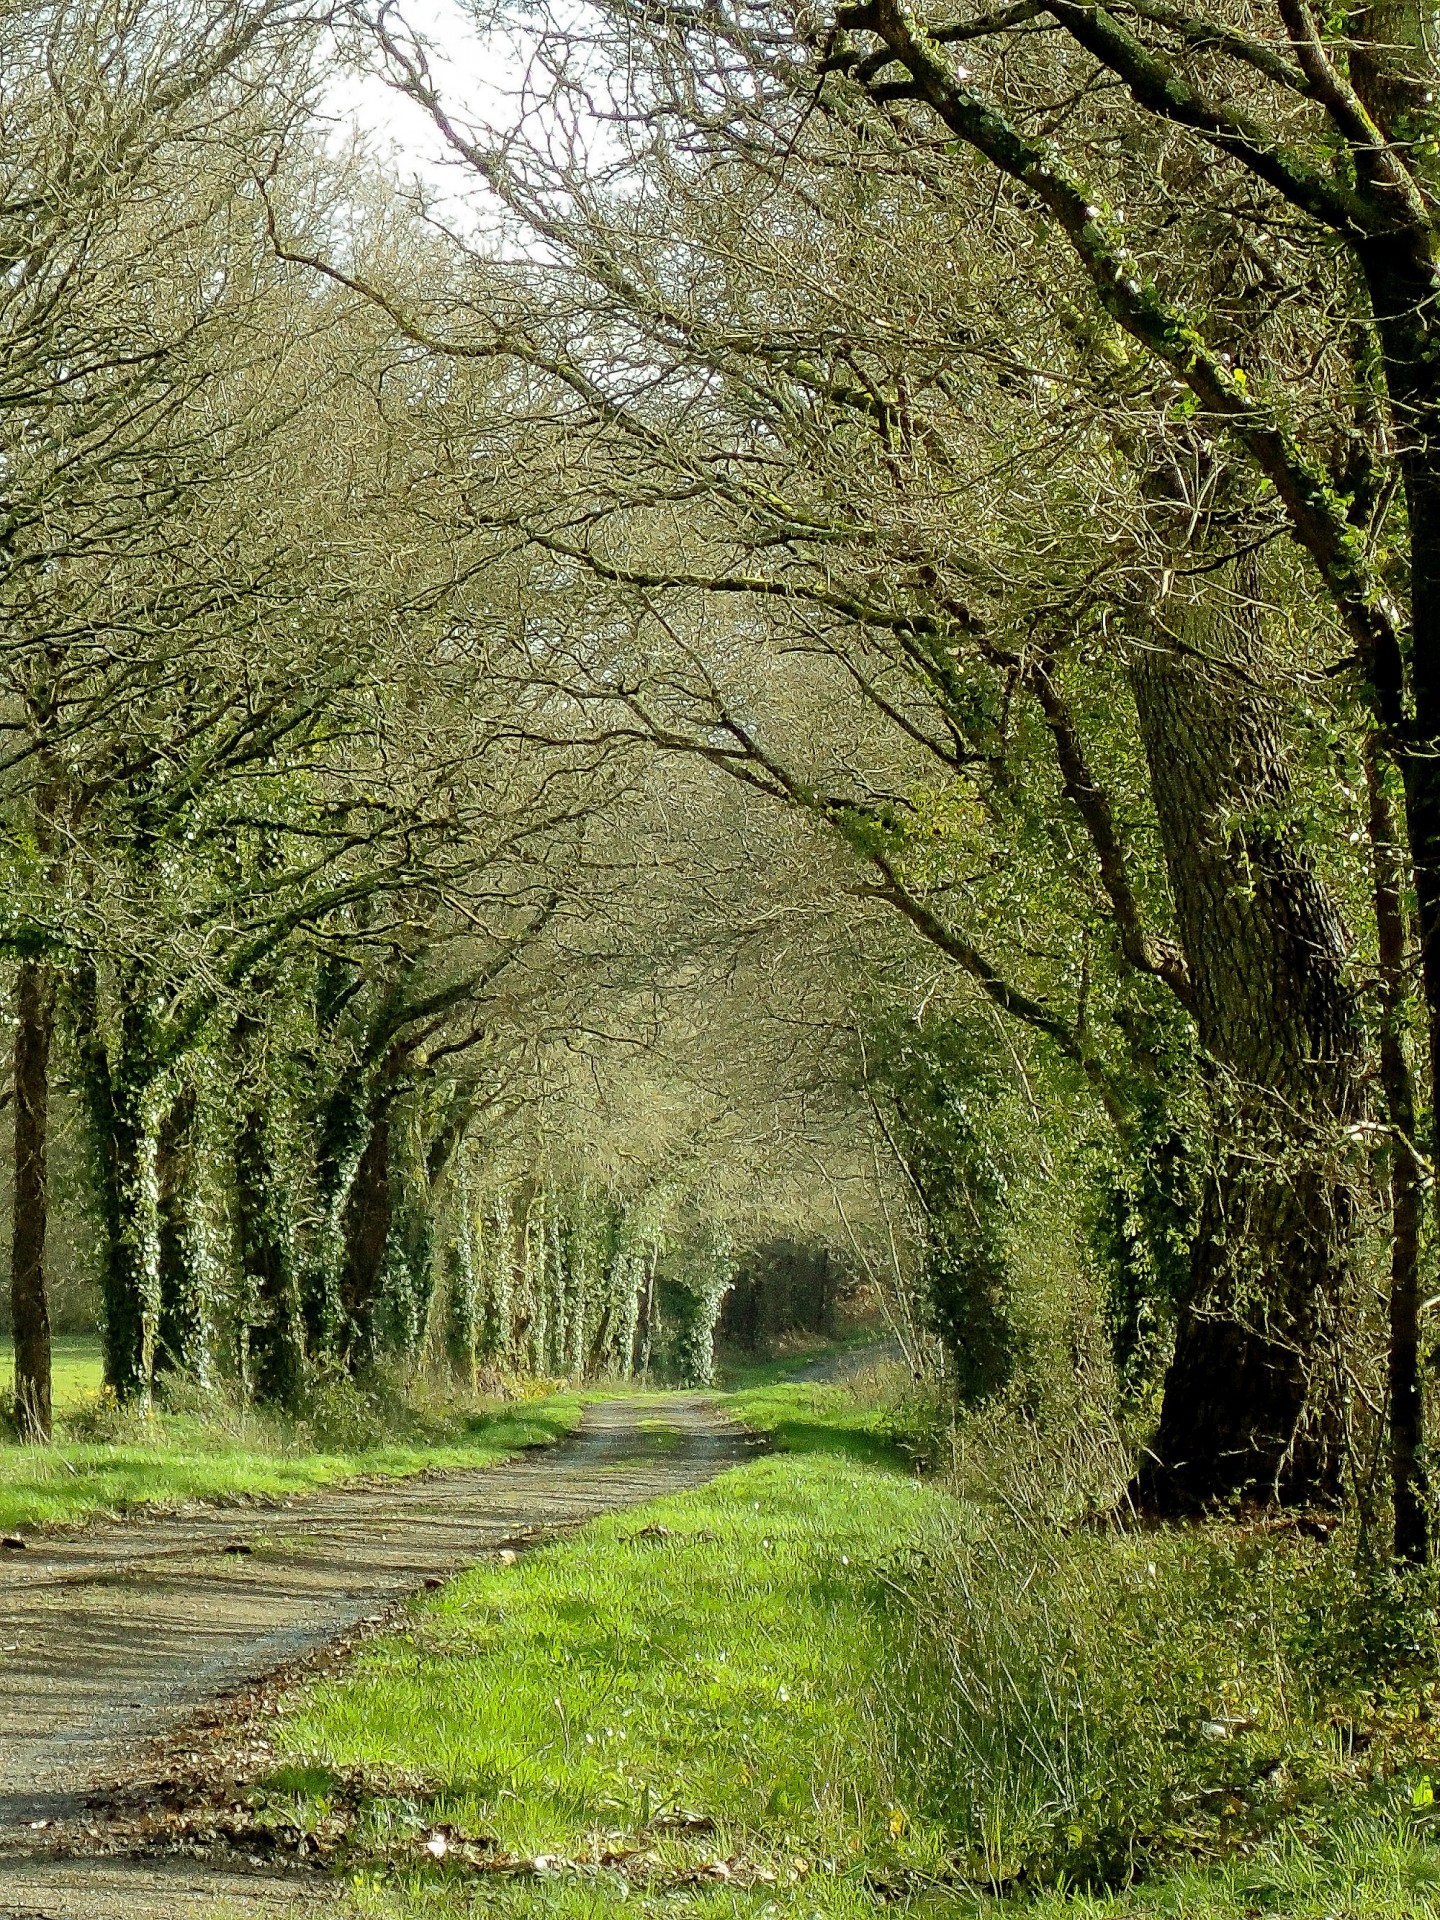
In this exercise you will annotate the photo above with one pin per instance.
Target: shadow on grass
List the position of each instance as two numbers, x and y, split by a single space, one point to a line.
792 1433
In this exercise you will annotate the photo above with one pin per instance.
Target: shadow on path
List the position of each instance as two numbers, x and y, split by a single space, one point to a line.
113 1636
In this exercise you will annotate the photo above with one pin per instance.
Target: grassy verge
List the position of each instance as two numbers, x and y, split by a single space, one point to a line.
105 1460
672 1705
873 1418
737 1370
1093 1710
818 1685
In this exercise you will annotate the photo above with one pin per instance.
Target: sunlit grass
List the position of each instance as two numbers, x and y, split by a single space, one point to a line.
730 1658
701 1660
125 1461
873 1419
1366 1869
77 1367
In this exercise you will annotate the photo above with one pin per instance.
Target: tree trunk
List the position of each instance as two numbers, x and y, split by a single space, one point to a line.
344 1131
276 1344
115 1095
367 1235
184 1340
1396 71
1254 1400
29 1304
1407 1400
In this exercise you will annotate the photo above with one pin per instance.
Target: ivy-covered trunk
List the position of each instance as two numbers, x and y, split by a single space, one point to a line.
343 1131
408 1276
1255 1396
366 1227
275 1332
186 1334
495 1257
29 1298
119 1084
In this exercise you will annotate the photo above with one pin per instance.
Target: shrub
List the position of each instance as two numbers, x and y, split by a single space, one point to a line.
1077 1704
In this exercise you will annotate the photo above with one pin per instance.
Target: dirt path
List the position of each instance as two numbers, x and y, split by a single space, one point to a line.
112 1636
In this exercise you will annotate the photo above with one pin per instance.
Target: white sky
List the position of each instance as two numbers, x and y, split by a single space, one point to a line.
474 73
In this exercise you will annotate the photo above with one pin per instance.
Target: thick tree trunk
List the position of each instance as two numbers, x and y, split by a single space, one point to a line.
29 1301
1254 1401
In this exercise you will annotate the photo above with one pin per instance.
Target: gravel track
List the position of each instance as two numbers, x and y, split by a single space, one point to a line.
113 1636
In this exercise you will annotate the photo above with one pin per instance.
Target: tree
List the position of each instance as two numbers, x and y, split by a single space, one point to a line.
101 113
1342 438
819 438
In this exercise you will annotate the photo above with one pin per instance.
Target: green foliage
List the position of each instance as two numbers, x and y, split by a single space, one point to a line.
1088 1708
1140 1217
698 1266
945 1081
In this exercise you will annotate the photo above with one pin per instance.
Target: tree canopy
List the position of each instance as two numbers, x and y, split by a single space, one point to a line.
846 654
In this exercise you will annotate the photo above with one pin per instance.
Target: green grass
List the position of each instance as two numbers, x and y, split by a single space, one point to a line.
738 1371
869 1420
1089 1709
108 1461
831 1670
700 1659
1370 1869
77 1368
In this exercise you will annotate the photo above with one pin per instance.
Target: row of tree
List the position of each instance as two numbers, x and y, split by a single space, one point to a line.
301 870
858 453
1007 439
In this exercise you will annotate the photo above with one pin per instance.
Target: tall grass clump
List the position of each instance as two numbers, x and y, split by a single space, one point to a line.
1083 1705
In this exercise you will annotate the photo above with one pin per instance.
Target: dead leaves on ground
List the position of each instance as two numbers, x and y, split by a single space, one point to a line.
192 1816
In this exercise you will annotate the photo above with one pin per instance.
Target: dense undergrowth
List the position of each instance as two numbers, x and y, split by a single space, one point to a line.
1090 1709
823 1684
203 1445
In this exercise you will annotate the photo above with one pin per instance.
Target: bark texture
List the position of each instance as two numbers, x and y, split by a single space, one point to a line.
1254 1401
184 1339
29 1299
1406 1180
116 1087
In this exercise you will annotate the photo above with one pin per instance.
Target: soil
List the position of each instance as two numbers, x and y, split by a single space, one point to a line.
133 1655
